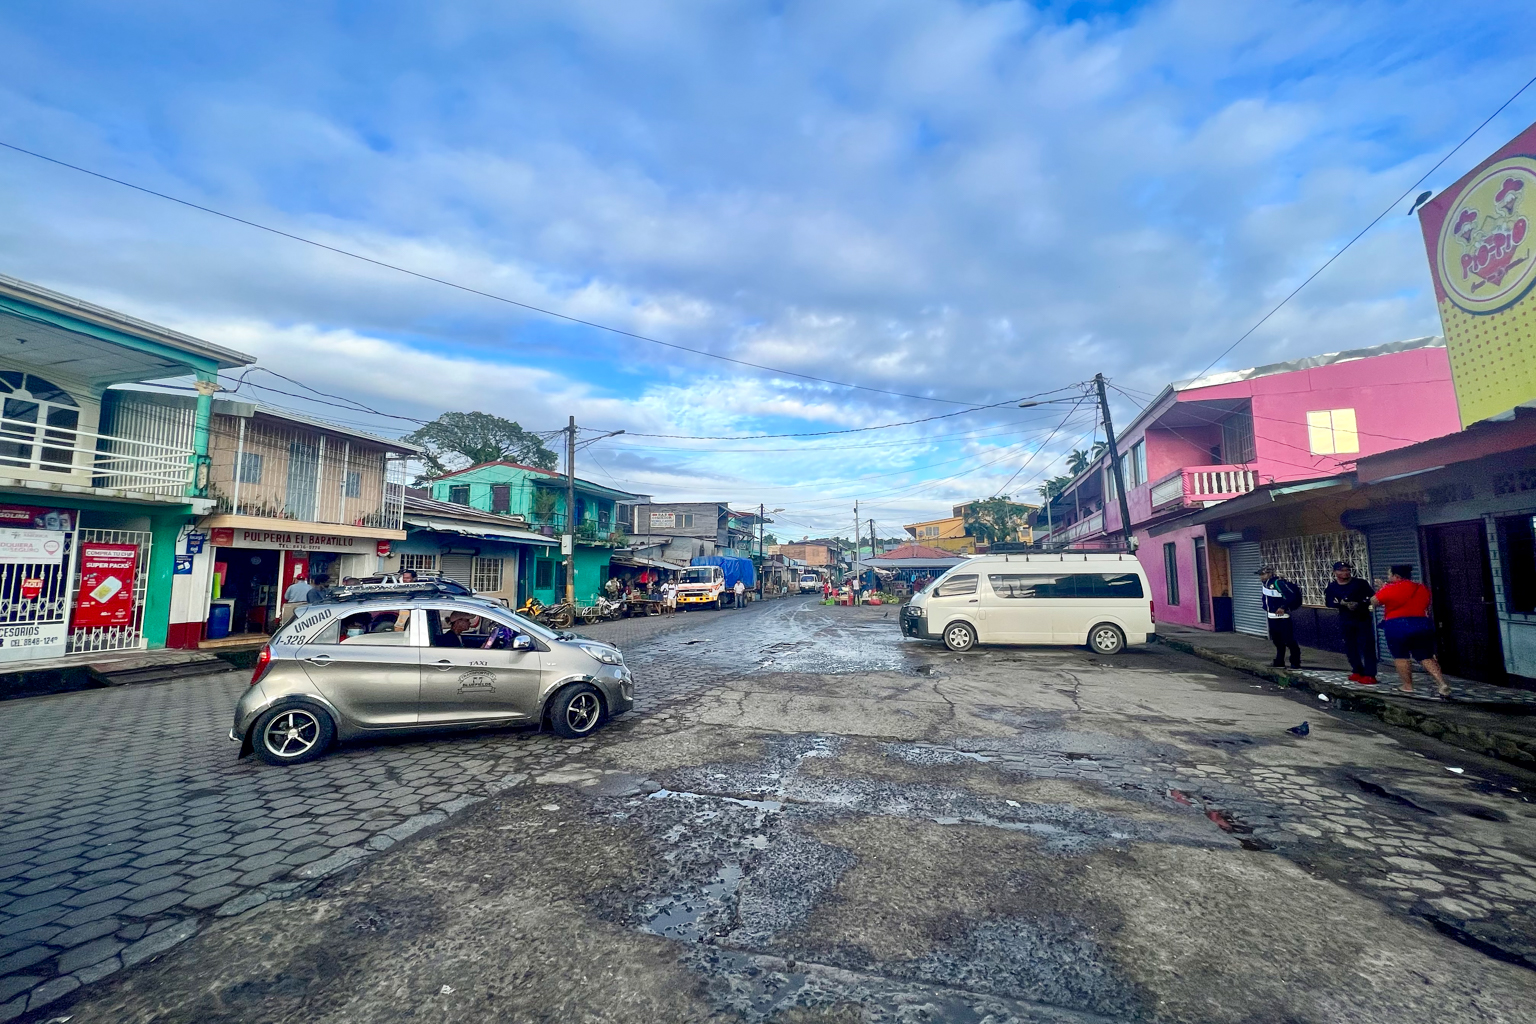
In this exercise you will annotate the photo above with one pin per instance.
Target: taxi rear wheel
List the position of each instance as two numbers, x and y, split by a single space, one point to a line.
292 735
577 711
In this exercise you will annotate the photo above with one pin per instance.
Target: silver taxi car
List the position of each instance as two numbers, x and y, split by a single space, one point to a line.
393 658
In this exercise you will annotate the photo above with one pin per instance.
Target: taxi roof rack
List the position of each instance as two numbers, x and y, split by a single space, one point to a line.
389 586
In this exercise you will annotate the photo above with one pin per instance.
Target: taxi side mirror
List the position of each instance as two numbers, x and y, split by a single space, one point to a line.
522 642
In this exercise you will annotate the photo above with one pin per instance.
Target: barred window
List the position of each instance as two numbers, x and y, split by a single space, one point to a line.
486 576
250 468
1308 561
352 484
418 563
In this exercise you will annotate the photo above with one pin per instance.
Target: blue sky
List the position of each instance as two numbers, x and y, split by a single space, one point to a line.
965 200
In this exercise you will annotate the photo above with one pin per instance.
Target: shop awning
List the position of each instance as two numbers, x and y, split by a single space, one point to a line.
486 532
645 564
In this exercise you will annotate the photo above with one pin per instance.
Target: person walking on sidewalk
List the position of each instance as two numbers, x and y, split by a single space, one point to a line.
1281 597
740 590
1406 624
1351 595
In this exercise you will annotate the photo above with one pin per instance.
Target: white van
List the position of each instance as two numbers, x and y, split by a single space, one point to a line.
1101 600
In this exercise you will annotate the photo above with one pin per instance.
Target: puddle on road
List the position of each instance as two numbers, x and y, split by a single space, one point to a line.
679 918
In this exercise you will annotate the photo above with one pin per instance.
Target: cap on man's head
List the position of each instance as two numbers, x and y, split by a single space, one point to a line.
1342 565
1265 570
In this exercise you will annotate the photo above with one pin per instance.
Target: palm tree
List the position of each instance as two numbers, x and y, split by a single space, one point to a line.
1078 461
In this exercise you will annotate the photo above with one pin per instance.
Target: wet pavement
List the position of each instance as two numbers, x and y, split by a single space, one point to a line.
808 818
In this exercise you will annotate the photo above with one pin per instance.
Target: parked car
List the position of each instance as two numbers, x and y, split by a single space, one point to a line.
377 659
810 583
1101 600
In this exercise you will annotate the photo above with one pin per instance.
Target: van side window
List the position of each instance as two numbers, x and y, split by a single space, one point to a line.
1015 585
1073 585
957 586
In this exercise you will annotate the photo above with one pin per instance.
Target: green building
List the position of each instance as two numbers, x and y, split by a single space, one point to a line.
538 496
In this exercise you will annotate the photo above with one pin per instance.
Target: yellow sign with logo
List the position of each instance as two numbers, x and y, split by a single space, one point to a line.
1479 234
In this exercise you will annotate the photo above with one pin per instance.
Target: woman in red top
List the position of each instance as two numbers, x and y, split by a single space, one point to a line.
1407 627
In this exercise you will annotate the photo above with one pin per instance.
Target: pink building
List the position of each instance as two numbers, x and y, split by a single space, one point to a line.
1203 441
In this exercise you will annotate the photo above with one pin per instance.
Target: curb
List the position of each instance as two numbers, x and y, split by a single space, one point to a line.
1431 719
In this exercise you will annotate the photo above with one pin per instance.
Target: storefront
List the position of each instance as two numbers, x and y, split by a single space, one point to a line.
248 568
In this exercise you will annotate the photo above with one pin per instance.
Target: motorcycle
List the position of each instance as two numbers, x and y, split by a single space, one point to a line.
560 616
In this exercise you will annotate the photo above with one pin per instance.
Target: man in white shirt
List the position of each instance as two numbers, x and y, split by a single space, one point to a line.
740 591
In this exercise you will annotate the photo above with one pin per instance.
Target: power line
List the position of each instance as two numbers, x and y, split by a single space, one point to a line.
847 430
1361 233
463 287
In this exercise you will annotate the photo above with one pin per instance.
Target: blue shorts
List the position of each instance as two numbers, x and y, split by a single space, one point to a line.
1410 636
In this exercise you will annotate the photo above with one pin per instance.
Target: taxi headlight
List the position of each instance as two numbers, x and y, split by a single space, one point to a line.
606 655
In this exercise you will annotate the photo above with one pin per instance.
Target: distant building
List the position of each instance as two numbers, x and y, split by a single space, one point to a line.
818 555
950 534
681 531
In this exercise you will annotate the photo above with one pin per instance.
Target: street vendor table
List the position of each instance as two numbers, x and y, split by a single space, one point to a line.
641 606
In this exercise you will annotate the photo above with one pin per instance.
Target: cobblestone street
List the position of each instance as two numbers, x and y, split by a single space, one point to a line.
806 817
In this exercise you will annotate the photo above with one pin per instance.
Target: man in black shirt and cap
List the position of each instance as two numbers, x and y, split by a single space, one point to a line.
1352 597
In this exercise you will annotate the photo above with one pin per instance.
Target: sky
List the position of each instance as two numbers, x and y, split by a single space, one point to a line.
948 204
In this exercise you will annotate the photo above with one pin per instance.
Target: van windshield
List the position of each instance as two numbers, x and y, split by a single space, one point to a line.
698 574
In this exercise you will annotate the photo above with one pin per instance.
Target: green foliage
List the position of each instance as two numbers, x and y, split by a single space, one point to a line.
991 520
457 440
545 501
1054 486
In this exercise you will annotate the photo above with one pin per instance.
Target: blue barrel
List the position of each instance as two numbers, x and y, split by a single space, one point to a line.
218 619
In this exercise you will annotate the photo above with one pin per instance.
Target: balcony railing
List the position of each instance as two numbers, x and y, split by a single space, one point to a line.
1084 527
1201 485
107 460
279 472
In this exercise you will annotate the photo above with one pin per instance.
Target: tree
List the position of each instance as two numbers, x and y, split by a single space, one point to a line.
457 440
993 520
1054 486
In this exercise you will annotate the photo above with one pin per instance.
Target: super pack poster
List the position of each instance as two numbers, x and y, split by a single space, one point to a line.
106 585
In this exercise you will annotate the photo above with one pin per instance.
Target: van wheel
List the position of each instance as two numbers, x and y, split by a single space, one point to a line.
1106 639
577 711
292 735
959 637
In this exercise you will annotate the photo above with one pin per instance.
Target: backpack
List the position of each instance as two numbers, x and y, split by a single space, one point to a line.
1290 592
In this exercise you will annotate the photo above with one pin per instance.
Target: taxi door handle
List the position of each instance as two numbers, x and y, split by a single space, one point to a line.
444 665
319 659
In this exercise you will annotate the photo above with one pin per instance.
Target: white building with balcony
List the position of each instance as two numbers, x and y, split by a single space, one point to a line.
92 521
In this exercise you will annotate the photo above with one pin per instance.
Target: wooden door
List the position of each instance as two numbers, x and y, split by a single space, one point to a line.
1461 581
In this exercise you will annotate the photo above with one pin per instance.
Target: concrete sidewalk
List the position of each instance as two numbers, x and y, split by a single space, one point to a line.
1498 721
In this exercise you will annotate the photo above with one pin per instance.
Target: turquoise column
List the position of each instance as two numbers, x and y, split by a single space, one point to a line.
165 530
207 384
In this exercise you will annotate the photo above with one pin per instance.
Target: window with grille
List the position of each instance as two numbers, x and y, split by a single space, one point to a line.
250 468
459 494
485 577
1332 432
352 485
1308 561
543 574
501 499
418 563
1171 572
37 412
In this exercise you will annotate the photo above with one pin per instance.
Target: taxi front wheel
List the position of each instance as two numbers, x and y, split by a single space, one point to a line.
577 711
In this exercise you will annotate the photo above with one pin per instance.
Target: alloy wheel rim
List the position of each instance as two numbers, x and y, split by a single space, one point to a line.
291 734
1106 639
581 714
959 637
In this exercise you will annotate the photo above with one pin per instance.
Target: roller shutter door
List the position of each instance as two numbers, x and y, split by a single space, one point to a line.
458 568
1247 600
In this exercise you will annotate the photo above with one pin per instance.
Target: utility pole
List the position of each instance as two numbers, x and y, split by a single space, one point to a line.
570 513
762 555
873 579
854 565
1114 459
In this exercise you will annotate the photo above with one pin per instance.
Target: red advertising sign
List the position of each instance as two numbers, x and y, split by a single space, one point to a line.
106 585
382 548
222 536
